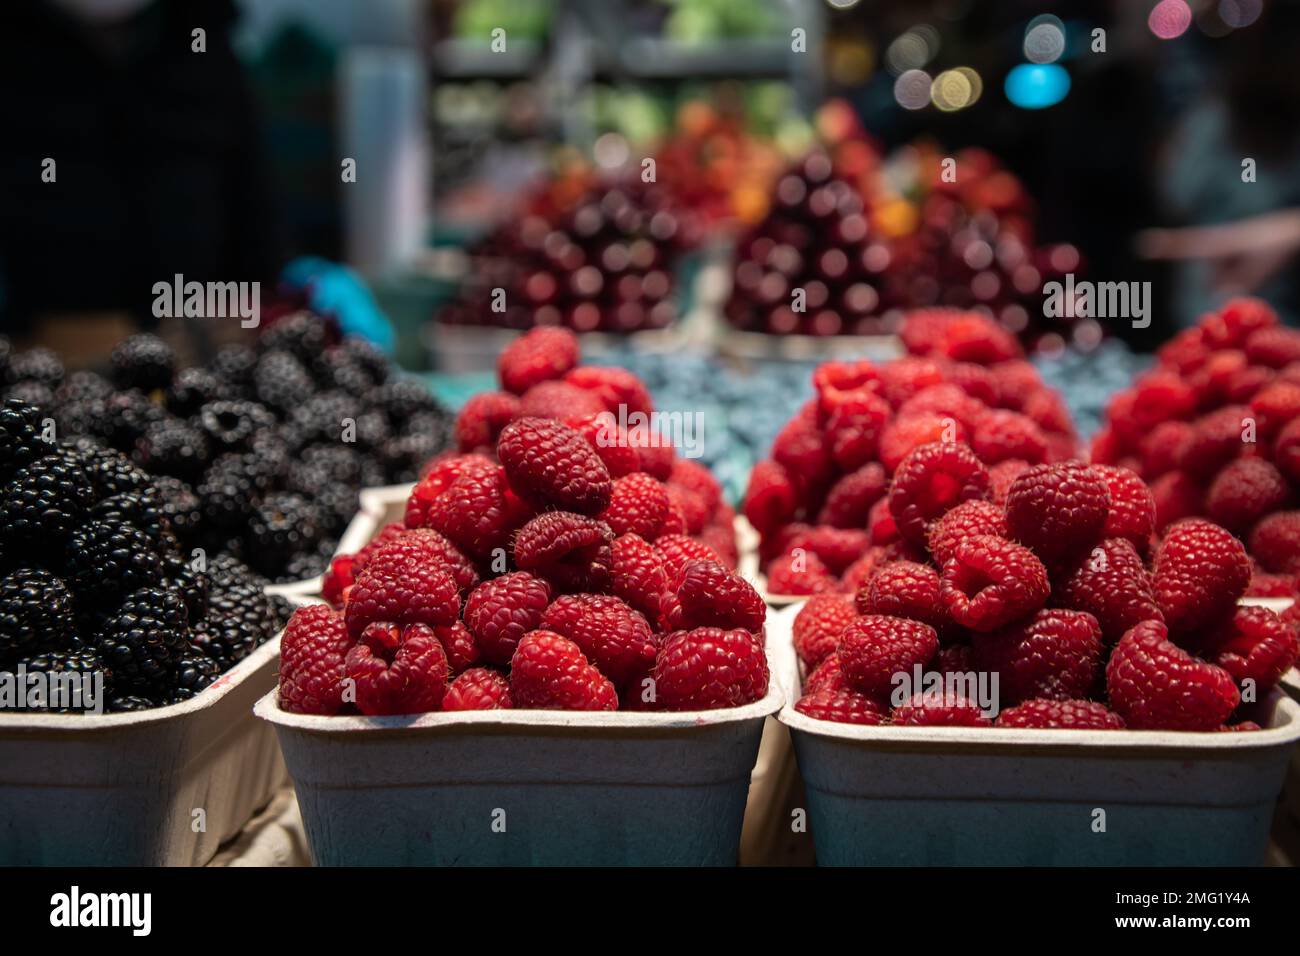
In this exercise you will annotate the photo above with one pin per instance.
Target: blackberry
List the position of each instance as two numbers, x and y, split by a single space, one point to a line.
143 510
281 611
336 370
368 356
231 425
64 697
240 619
36 612
110 472
36 365
232 487
20 437
44 501
173 448
273 455
402 399
180 506
282 526
107 560
144 639
218 542
192 388
403 457
234 365
125 417
281 382
32 393
321 418
143 361
83 386
342 463
130 703
302 335
195 671
302 566
179 574
372 431
225 572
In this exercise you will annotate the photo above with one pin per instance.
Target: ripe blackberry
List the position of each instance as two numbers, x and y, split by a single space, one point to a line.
195 671
231 425
335 369
281 382
225 572
32 393
44 501
144 639
80 660
110 472
341 463
20 437
141 509
368 356
143 361
179 505
371 432
124 417
192 388
178 573
271 454
130 703
229 491
282 526
108 559
83 386
36 365
403 457
239 620
36 612
173 448
234 365
300 567
402 399
281 611
302 334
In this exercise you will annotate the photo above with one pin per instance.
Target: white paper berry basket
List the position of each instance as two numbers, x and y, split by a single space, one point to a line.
162 787
957 796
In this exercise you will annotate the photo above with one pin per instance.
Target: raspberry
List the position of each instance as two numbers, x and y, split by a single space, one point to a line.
971 337
799 574
705 594
437 480
1212 383
945 401
1163 448
695 477
880 523
397 670
933 479
1058 510
1155 685
854 428
477 512
1286 451
1245 725
654 455
857 574
1177 497
849 501
801 451
1256 645
722 539
610 442
836 381
1186 351
905 377
1053 655
689 505
1014 380
550 672
828 675
1216 439
459 644
1199 574
975 380
939 709
479 688
876 647
312 653
1112 585
615 388
677 550
1275 542
550 465
905 589
1263 584
569 550
1274 347
770 499
481 419
990 582
841 706
1245 491
955 659
1002 476
709 667
539 356
421 543
637 575
1061 715
966 519
1002 435
1132 512
905 435
559 401
836 547
1274 407
1048 411
638 505
502 610
1159 396
819 624
402 589
614 637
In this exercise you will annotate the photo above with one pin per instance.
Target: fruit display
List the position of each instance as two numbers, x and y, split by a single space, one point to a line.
95 582
1214 427
821 501
561 559
261 454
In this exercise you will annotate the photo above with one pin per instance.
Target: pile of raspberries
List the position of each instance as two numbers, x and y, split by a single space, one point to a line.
1056 583
820 501
556 562
1215 428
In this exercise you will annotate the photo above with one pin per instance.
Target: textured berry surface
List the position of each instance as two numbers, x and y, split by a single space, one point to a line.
848 503
842 706
550 672
990 582
1132 512
931 480
905 589
1257 646
799 574
1199 573
818 626
1155 685
706 594
550 465
570 551
36 612
612 635
708 667
476 512
500 611
1061 715
397 670
638 504
1112 585
875 648
966 519
1275 542
479 688
403 590
678 550
637 575
939 709
1244 492
1058 510
1055 655
539 356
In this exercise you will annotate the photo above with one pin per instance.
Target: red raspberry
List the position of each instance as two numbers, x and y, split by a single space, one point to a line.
1245 491
638 505
461 649
945 401
849 501
971 337
1245 725
1239 319
611 443
481 419
819 624
1058 510
803 573
880 522
905 589
654 455
550 465
1263 584
857 574
708 667
1163 448
854 428
502 610
1002 435
1155 685
689 505
422 544
1199 574
874 648
966 519
923 329
1256 645
1275 542
835 381
1177 496
637 575
1186 351
403 589
678 550
479 688
990 582
1274 407
1216 439
1054 655
397 670
1013 381
1286 451
1047 409
828 675
337 579
550 672
541 355
955 659
569 550
905 377
939 709
1212 383
842 706
905 435
801 450
1274 347
932 480
693 476
1159 396
770 499
559 401
975 380
1112 585
1061 715
615 387
1002 476
614 637
312 653
437 480
477 513
836 547
1132 512
722 539
705 594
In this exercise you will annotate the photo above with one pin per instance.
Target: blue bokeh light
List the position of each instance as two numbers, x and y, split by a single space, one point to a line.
1035 86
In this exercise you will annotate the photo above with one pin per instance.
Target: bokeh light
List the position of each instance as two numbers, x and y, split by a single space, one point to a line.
1035 86
1240 13
842 4
1044 40
951 91
1170 19
912 90
912 50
